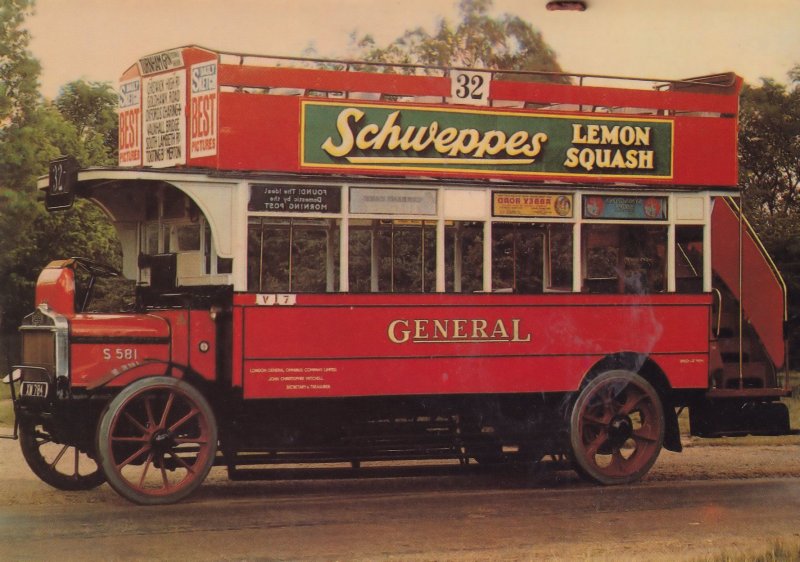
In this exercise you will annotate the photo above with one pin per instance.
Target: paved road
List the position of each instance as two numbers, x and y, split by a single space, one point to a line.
505 515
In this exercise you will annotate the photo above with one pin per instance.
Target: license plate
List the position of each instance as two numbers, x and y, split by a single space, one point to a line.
33 389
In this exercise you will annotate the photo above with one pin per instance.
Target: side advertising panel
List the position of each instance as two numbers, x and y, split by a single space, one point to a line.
203 110
164 125
130 122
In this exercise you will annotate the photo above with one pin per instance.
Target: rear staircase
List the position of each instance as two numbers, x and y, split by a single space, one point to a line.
748 346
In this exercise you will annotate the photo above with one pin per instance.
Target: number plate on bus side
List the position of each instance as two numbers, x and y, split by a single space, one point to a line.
33 389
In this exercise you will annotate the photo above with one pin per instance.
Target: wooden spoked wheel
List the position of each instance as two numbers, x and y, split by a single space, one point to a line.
61 465
157 440
616 428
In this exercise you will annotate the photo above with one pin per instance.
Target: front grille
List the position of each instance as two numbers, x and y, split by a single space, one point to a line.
39 349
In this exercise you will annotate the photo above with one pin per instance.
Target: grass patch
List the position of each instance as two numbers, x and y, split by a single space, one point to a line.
6 407
778 552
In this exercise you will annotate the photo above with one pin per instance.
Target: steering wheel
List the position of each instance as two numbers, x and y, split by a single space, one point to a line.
95 270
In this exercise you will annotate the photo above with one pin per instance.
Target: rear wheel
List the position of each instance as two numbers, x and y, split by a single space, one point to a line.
61 465
616 428
157 440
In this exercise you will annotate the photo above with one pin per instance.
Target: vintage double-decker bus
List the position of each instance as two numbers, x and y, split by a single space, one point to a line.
351 262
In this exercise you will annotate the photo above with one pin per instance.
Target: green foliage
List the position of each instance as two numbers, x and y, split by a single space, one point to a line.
769 160
81 123
18 70
92 108
477 41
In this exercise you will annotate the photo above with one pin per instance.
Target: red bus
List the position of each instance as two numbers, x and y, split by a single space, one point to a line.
350 262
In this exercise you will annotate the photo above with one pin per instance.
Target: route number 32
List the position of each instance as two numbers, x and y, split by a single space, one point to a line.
470 88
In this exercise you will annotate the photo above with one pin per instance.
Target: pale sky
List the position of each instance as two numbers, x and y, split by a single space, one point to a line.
99 39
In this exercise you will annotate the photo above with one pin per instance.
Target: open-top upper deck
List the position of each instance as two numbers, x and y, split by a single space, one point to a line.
197 108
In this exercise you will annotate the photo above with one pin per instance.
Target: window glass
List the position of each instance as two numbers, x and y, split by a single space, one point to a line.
392 256
292 255
689 259
150 242
187 237
624 258
517 257
464 257
558 259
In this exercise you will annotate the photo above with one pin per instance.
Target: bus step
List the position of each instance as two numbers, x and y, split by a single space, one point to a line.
718 418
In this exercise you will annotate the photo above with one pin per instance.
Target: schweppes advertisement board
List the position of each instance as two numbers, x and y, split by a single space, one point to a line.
391 137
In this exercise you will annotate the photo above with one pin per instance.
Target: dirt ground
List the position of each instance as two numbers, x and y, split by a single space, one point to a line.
702 460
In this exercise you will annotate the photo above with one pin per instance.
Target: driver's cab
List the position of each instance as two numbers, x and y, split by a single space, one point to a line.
67 286
175 244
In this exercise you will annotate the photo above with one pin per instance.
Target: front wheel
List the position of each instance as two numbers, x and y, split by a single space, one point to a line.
616 428
63 466
157 440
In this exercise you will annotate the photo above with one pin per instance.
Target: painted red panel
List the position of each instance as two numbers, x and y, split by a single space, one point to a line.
762 294
90 362
55 287
258 132
615 97
326 80
407 344
119 326
262 132
202 344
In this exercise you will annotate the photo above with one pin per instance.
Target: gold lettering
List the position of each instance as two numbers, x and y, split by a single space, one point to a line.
491 143
397 335
500 332
344 130
445 139
610 136
458 329
362 141
464 146
536 145
577 135
389 129
572 157
419 329
515 323
479 329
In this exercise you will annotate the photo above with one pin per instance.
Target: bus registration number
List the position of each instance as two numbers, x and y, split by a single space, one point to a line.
120 353
33 389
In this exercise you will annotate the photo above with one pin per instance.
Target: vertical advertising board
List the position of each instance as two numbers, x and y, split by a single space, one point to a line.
164 123
203 110
130 122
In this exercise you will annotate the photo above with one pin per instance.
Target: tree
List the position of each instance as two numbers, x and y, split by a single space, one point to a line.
92 108
769 169
477 41
19 71
32 132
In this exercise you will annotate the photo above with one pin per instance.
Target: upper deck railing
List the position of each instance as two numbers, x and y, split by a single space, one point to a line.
195 107
533 89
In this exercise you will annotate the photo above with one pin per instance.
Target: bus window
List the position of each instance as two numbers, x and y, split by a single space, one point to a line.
689 259
292 255
624 258
558 258
464 257
187 237
392 256
517 257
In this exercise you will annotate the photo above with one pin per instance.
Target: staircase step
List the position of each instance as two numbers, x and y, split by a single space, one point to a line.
731 345
754 375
